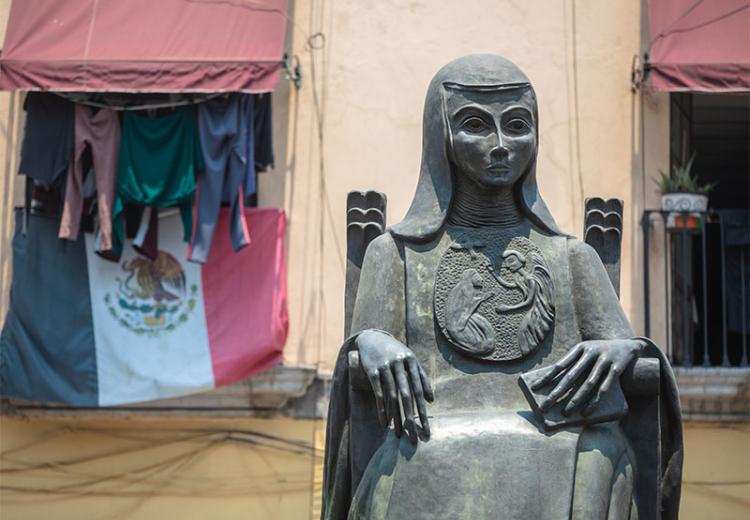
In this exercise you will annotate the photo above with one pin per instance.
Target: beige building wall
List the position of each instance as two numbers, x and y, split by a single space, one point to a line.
356 124
121 468
368 85
716 477
11 190
369 80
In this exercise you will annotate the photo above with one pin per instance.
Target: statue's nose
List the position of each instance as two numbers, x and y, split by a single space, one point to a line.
499 151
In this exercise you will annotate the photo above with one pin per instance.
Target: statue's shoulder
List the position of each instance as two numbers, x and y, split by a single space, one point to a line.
383 248
568 249
385 240
586 267
581 252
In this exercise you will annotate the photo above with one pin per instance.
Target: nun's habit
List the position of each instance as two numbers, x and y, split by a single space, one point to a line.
487 457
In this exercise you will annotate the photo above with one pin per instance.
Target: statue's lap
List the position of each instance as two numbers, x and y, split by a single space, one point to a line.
475 465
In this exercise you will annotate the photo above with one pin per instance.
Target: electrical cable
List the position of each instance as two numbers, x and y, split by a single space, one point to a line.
717 482
577 123
671 30
314 43
153 473
318 42
319 116
247 436
665 31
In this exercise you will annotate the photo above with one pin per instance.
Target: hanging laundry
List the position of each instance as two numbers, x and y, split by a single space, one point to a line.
140 329
48 137
159 159
263 133
248 119
225 124
99 131
45 199
146 239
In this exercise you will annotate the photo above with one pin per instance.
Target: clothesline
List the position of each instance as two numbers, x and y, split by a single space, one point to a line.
198 155
165 318
89 100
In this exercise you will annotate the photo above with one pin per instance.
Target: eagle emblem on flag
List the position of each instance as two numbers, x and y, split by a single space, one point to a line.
153 296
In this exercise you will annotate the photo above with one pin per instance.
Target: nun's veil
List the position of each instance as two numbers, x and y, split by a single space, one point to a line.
434 194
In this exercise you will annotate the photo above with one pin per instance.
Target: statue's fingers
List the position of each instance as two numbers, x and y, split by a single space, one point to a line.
587 388
416 385
603 389
610 380
398 423
393 409
426 386
377 389
429 394
563 363
569 358
389 393
404 389
567 382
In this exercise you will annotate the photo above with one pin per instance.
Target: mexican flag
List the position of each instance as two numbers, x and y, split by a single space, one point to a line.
85 331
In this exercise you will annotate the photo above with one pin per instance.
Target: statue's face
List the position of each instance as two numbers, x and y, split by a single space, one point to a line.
513 263
493 134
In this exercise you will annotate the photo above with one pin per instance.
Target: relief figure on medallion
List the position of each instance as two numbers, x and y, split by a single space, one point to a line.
489 370
465 326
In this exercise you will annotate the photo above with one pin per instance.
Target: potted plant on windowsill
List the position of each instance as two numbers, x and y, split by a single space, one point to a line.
683 196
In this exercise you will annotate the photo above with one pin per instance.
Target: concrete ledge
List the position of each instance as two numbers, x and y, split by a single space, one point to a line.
281 391
714 393
706 394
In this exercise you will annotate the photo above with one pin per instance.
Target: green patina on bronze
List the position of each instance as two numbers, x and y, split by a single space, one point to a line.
489 370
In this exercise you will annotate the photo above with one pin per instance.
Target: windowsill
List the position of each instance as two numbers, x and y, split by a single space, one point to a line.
706 394
281 391
714 393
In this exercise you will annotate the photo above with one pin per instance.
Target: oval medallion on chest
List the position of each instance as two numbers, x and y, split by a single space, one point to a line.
494 296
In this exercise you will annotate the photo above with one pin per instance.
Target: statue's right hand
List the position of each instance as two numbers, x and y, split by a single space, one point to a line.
394 372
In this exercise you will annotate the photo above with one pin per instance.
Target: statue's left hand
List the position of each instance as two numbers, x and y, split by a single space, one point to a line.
589 369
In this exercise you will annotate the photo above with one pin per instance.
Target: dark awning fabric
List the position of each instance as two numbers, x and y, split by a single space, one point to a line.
700 45
144 45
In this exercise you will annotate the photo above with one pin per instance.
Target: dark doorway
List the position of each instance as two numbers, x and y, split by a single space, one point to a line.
712 328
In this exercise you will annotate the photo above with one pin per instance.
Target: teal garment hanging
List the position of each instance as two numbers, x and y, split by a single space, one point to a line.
159 161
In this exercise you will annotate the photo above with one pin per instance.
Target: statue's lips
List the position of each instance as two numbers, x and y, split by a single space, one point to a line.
498 169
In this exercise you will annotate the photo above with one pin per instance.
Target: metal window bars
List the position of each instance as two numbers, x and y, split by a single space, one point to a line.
680 237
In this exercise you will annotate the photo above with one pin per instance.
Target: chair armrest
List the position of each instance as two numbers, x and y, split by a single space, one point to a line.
357 377
641 379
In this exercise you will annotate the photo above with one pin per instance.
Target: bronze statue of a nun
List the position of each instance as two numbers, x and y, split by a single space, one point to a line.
485 372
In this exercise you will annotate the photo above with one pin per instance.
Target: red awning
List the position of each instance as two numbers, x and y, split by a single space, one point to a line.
144 45
700 45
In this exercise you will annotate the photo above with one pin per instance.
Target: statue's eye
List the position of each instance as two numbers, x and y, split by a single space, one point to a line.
474 125
517 126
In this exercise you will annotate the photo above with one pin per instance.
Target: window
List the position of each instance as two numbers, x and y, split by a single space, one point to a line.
709 307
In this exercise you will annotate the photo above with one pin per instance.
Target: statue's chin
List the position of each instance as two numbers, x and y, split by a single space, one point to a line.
496 183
